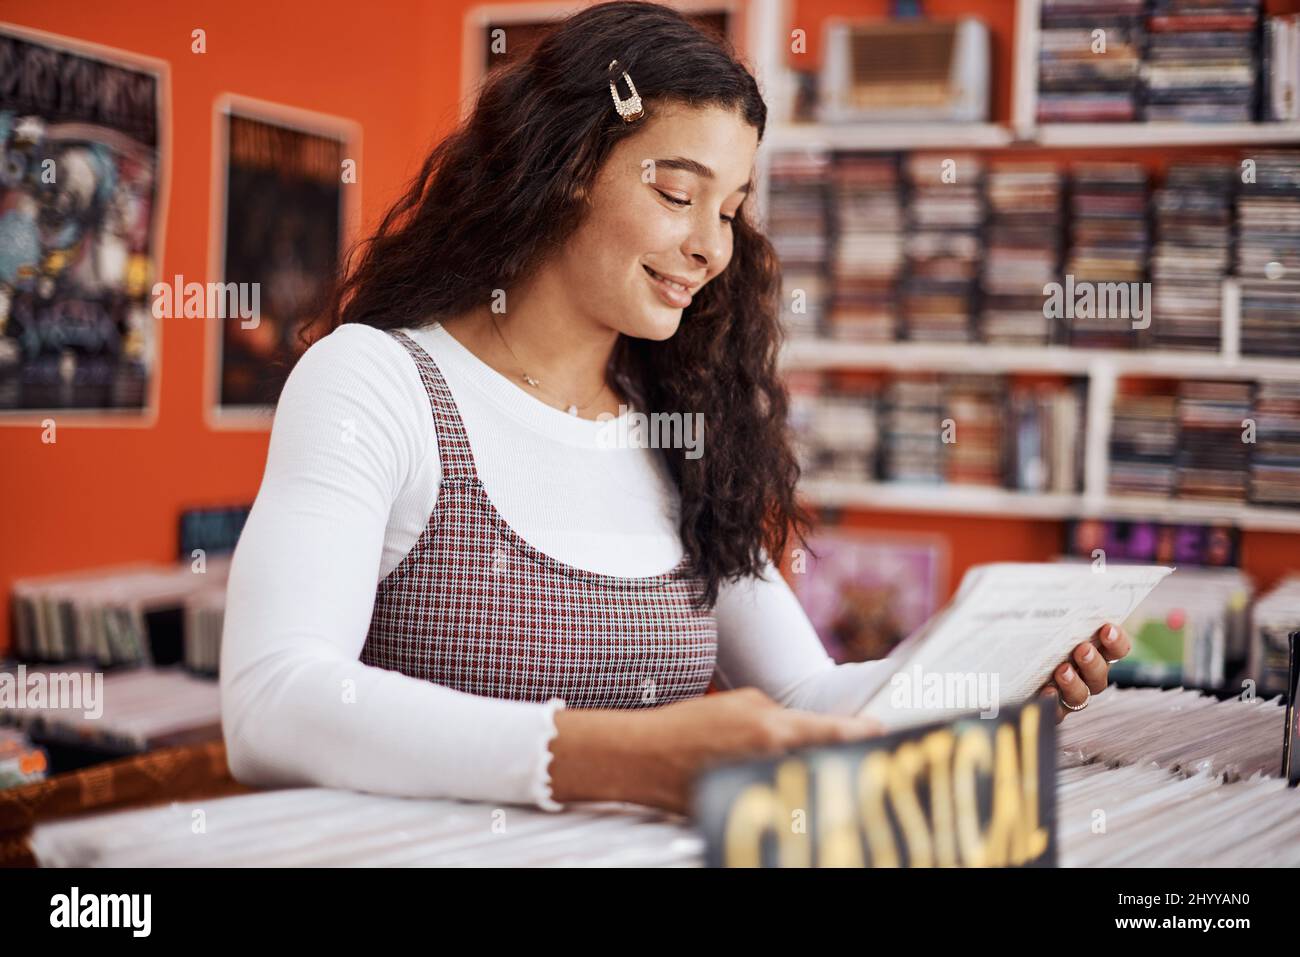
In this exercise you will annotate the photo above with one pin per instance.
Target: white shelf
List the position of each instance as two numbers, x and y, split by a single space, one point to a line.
815 354
820 137
962 499
1164 134
979 500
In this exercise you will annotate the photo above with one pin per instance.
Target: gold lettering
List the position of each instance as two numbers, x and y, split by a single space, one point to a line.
873 773
1036 836
794 849
754 812
1005 845
838 843
908 760
972 748
938 746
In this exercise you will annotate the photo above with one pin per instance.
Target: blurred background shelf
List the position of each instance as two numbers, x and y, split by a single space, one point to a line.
829 354
997 502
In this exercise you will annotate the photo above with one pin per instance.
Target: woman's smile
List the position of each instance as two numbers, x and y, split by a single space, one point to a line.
673 293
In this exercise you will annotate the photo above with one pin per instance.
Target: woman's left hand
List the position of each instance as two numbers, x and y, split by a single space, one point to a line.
1087 670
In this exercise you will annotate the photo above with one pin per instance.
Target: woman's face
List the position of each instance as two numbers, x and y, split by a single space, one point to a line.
660 205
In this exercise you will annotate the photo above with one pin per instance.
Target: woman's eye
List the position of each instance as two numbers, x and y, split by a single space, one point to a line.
673 199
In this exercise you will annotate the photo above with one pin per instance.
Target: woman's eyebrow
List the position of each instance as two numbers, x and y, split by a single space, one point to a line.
686 165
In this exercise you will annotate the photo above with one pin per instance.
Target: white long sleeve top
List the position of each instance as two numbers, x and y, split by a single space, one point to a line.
351 477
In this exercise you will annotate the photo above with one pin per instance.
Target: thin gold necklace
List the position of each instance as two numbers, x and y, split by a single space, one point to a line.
570 407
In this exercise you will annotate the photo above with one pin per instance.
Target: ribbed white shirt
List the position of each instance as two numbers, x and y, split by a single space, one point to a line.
352 474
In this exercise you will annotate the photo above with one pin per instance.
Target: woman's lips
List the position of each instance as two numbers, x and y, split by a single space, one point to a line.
670 292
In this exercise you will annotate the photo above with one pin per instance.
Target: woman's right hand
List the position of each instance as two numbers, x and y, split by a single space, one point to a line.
652 756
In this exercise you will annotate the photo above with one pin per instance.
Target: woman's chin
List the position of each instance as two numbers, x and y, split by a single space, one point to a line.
657 324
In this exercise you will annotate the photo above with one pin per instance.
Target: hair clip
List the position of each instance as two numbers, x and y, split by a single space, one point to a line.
629 109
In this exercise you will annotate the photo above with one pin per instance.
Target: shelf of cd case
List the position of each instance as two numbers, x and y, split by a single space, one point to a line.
885 137
814 354
982 500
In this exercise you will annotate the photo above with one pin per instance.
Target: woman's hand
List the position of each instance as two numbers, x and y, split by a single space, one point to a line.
652 756
1088 669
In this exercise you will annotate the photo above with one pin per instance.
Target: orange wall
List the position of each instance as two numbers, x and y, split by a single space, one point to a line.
103 495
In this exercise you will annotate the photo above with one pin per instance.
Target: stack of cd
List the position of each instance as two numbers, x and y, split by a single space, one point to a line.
1192 254
1143 445
973 446
797 225
1023 253
945 213
1213 456
1109 248
1045 437
1201 63
835 430
1275 459
1088 60
1268 254
913 415
868 254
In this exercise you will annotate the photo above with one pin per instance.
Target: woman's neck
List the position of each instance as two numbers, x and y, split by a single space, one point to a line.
566 360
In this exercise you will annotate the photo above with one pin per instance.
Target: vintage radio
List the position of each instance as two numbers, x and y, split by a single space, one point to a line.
905 71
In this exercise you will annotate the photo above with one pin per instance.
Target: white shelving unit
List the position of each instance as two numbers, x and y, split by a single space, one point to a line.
1102 368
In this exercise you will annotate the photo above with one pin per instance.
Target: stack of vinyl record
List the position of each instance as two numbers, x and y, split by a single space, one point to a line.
119 615
1109 244
945 214
912 447
1202 61
1144 445
868 254
1268 255
1275 459
977 410
1086 76
127 709
1193 213
1213 458
1275 615
1023 252
205 613
797 224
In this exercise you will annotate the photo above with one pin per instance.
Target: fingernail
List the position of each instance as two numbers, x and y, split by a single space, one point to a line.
1067 675
1110 635
1087 654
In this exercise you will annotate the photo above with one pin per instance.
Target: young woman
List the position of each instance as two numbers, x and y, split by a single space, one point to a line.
452 582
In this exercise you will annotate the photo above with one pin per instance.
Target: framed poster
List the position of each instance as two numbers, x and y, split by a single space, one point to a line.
866 591
84 146
285 202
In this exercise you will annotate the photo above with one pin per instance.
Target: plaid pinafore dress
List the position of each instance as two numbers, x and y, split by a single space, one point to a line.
474 607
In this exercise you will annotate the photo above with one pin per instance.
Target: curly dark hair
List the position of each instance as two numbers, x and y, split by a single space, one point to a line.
527 156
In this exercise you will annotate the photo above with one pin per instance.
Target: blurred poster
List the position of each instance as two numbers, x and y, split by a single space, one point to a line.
79 224
865 593
283 224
